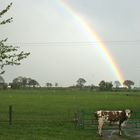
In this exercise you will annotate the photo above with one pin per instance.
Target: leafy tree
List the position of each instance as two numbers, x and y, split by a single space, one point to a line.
17 83
9 55
1 80
102 85
3 85
23 82
81 82
105 86
117 84
33 83
108 86
128 83
48 84
92 87
56 84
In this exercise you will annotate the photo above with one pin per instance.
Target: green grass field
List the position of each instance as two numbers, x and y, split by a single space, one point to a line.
47 114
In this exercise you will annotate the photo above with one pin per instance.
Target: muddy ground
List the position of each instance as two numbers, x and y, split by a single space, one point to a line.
127 135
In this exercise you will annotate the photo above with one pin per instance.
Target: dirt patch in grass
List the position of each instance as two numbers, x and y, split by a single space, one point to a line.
127 135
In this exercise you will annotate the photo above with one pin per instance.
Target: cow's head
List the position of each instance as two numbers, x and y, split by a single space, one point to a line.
128 113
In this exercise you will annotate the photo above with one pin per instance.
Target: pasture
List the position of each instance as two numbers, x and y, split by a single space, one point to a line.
48 114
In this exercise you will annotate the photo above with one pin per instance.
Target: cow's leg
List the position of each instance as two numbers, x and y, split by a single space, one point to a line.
100 126
120 129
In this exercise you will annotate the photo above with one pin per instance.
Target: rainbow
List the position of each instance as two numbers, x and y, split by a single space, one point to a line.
91 33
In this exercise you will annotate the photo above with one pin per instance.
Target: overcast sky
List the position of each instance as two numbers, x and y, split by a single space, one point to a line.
60 52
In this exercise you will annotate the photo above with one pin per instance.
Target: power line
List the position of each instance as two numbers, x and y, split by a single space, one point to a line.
117 43
76 42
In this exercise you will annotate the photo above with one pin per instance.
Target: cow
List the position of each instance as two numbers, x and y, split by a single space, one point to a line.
112 117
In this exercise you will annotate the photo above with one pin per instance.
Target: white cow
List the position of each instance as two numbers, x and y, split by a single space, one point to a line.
112 117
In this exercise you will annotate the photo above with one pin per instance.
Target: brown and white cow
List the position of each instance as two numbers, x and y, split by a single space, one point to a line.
112 117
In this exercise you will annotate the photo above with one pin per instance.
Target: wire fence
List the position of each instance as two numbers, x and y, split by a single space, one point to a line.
12 116
87 120
80 119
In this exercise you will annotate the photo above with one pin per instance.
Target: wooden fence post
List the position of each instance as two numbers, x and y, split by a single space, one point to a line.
10 114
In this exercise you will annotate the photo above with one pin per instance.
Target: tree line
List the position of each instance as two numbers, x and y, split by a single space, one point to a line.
106 86
18 83
25 82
